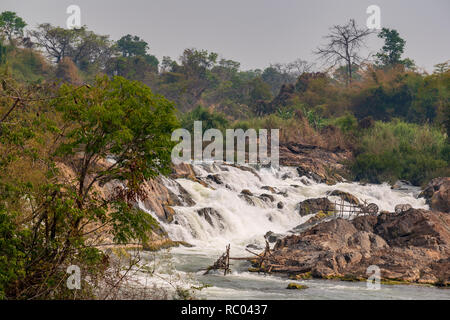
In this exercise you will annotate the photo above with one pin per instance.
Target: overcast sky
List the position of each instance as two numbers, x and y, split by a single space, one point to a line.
253 32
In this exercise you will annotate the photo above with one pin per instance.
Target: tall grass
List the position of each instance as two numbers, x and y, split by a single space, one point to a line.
400 150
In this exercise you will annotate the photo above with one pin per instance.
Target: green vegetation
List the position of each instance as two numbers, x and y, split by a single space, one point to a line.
52 162
400 150
79 110
296 286
210 119
11 25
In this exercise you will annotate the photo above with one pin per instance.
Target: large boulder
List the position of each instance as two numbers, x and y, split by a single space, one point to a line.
412 246
273 237
344 196
402 185
215 178
211 215
437 194
158 198
315 162
311 206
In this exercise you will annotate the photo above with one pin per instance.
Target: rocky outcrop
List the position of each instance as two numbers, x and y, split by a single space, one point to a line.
267 197
215 178
402 185
413 246
211 215
402 207
345 196
437 194
158 198
314 162
272 237
311 206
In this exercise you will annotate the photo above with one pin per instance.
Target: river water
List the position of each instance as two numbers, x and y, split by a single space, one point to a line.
239 223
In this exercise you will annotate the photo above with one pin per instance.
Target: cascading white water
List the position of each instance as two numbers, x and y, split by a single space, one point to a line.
241 223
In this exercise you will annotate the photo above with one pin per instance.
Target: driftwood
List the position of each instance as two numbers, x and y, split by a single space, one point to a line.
222 263
264 261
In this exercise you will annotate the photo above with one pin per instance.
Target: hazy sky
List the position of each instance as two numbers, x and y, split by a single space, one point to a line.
253 32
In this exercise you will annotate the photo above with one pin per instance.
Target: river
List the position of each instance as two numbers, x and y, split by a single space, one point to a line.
239 223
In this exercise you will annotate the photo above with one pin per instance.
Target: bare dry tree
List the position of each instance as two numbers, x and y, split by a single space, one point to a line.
344 43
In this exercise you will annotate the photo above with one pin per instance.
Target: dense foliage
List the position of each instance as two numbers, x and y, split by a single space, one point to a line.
54 142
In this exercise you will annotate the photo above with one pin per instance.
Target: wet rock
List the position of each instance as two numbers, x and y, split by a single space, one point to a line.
247 199
402 208
283 193
402 185
215 177
273 237
344 196
315 162
183 170
268 188
437 194
296 286
267 197
321 215
156 196
280 205
209 214
302 172
168 213
286 175
224 167
254 246
305 181
413 246
185 197
245 168
315 205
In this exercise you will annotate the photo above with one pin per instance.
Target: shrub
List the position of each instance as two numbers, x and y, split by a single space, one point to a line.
399 150
210 119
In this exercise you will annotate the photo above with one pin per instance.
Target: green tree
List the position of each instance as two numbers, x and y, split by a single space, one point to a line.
122 119
259 90
391 53
442 67
134 63
2 53
50 220
210 119
130 46
11 25
84 47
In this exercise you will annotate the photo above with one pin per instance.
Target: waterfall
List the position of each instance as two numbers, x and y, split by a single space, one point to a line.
223 215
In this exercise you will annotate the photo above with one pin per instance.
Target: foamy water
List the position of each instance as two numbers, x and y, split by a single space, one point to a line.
240 223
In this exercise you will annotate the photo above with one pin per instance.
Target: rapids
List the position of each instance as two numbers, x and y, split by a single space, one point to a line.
240 223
